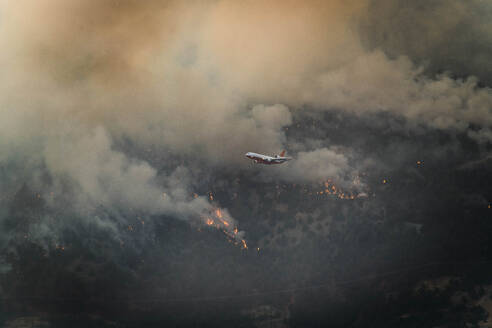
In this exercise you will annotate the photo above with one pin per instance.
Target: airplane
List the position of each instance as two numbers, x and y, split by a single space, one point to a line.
268 160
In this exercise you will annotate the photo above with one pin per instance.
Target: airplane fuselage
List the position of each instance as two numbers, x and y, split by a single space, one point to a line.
265 159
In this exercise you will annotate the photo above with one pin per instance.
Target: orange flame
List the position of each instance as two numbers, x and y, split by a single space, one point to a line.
222 223
328 188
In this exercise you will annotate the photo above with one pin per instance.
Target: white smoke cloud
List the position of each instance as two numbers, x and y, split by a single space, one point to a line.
374 83
317 165
108 178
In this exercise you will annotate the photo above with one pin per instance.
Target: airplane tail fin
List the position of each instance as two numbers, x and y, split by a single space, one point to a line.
282 153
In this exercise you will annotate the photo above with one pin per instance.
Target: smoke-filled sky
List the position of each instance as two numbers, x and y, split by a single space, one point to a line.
123 128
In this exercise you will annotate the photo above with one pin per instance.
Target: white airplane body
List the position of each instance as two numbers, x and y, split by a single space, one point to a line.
268 160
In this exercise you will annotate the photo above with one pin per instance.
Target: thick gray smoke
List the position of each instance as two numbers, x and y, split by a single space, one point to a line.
123 129
202 80
443 35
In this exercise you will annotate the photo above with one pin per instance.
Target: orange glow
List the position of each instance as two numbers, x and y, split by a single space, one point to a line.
329 188
222 223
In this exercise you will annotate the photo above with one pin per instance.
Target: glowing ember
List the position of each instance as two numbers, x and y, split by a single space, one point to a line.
219 220
329 188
